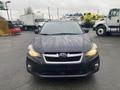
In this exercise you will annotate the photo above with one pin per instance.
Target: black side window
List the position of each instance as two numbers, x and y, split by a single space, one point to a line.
10 25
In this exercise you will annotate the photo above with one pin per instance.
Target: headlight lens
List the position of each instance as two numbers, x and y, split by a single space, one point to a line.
32 52
93 51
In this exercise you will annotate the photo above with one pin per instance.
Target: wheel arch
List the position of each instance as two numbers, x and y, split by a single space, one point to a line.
101 25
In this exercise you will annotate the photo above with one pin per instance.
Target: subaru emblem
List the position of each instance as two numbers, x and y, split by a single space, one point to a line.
63 55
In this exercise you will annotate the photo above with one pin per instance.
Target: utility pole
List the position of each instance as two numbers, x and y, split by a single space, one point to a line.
11 15
98 12
58 13
7 8
49 13
24 11
43 15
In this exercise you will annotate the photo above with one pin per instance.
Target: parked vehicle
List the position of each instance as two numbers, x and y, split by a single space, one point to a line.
72 17
18 23
62 50
14 30
89 19
109 25
29 22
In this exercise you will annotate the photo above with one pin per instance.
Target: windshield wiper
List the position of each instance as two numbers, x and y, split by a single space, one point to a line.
60 34
66 34
44 34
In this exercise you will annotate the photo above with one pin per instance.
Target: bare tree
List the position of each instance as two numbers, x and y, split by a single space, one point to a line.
29 11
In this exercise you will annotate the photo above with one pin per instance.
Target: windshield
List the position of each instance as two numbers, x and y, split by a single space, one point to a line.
61 28
114 12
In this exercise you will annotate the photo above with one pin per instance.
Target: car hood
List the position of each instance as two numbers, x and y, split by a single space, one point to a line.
62 43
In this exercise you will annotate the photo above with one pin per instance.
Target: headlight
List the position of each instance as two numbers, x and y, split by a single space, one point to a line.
93 50
32 52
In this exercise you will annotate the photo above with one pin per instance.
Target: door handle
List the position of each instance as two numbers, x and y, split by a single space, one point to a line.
118 21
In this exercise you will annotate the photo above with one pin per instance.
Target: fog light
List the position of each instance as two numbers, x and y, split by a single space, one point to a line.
29 67
96 66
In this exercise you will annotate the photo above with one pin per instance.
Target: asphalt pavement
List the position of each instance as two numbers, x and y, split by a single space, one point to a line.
13 74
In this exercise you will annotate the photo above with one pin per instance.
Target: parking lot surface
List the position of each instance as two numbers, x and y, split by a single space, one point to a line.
13 74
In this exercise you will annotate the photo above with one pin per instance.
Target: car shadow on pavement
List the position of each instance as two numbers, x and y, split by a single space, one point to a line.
64 83
115 35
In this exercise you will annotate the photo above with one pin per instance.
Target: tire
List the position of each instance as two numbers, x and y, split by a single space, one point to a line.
101 30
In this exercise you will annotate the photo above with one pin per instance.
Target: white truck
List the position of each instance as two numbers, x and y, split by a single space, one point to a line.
29 21
111 24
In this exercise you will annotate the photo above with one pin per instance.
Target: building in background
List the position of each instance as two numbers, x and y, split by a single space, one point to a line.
74 17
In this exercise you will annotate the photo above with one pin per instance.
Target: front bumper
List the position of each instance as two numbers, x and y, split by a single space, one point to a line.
83 69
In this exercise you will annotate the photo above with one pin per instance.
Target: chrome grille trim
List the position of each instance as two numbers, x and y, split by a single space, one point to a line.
51 55
74 55
68 55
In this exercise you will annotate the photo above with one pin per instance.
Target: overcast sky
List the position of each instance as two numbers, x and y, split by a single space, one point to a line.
65 6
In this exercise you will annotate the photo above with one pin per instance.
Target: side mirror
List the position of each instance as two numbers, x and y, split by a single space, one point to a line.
39 26
109 17
36 31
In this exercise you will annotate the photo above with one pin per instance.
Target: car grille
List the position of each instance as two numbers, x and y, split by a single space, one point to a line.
63 57
55 59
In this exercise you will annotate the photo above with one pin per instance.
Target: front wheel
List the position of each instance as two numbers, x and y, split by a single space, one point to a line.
101 31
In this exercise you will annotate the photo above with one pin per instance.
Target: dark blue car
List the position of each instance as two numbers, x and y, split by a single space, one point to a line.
62 49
